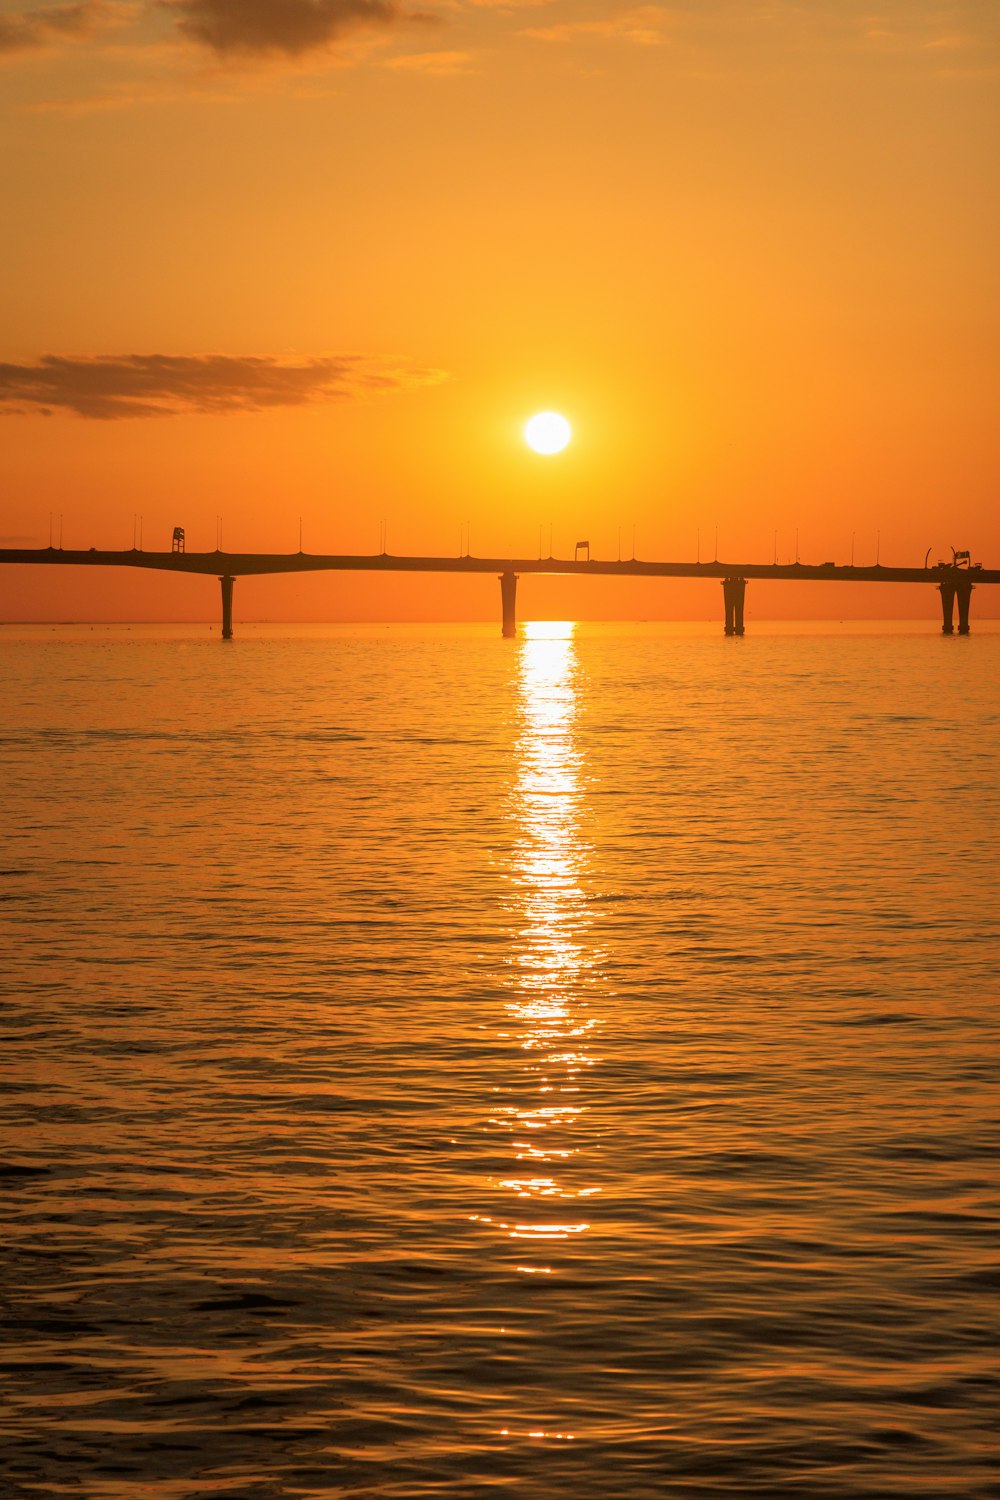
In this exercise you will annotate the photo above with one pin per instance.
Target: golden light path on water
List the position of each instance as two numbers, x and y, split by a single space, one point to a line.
551 961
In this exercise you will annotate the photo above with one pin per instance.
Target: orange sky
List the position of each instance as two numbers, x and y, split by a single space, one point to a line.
749 249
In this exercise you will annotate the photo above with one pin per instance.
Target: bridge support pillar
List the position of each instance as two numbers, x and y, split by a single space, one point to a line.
963 597
733 595
947 591
227 608
508 597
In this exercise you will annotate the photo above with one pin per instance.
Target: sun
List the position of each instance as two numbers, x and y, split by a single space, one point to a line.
547 432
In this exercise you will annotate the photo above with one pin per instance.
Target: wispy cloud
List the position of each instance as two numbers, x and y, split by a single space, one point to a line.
29 30
644 26
159 385
435 64
505 5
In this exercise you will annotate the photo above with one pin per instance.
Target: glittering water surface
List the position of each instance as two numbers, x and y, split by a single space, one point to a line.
440 1066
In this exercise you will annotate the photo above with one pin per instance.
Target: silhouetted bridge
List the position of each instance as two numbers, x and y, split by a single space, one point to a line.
955 584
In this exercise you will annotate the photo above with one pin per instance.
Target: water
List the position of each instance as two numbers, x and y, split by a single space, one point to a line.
439 1066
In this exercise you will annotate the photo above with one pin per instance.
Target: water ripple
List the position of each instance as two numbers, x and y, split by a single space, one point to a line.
438 1067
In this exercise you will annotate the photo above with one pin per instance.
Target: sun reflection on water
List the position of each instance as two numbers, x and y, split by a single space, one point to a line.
552 959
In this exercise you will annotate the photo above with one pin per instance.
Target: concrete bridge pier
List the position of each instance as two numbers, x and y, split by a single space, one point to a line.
508 597
947 590
963 597
227 608
733 594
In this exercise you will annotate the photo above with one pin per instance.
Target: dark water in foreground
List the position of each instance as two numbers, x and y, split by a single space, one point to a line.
439 1066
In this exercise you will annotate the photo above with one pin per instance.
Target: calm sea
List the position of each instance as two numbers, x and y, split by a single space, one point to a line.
441 1066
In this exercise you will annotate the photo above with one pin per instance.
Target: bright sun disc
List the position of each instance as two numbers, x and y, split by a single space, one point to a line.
547 432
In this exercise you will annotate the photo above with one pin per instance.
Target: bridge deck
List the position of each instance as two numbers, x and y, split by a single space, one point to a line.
245 564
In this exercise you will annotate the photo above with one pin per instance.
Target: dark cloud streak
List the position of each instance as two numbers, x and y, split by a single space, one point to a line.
157 385
276 27
31 29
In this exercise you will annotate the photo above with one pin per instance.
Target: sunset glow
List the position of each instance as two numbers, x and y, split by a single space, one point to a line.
269 262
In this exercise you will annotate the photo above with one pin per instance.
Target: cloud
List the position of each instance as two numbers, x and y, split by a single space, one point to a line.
127 96
29 30
158 385
435 64
276 27
644 26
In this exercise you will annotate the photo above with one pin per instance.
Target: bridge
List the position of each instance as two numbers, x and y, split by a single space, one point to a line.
954 582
